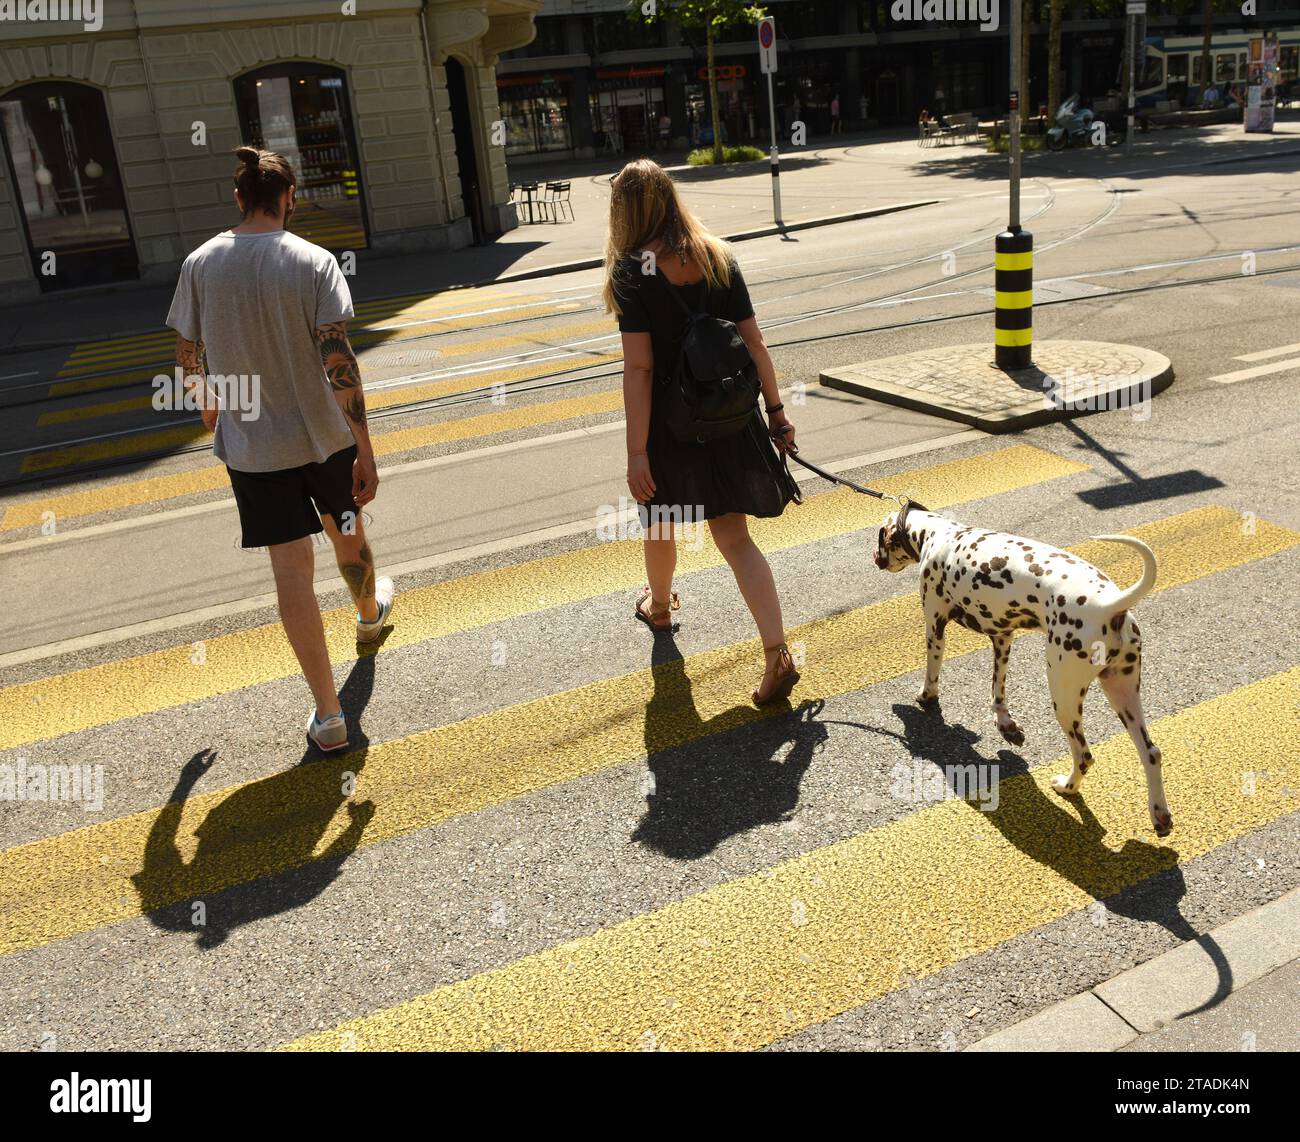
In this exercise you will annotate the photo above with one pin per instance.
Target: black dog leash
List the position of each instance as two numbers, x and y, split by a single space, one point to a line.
791 451
905 505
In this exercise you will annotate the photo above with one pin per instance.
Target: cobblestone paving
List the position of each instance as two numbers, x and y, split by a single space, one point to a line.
1068 375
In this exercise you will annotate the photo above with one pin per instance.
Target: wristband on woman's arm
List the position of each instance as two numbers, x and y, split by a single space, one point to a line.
774 409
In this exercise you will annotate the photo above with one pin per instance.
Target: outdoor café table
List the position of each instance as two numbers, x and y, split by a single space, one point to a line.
527 190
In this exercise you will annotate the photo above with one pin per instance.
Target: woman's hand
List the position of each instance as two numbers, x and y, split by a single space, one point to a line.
782 431
639 481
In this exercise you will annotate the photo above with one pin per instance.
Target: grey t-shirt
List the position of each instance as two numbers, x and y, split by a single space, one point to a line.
255 300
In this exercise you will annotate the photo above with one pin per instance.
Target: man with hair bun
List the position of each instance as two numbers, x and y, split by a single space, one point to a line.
257 301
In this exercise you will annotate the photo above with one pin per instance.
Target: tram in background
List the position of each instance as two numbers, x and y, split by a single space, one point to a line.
1171 75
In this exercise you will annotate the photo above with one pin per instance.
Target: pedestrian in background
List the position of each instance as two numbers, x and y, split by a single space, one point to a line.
836 126
656 248
259 301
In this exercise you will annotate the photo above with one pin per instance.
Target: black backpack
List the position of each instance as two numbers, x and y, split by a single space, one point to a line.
714 388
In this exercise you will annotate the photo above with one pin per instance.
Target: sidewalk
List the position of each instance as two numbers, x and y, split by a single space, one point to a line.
816 182
1236 988
729 200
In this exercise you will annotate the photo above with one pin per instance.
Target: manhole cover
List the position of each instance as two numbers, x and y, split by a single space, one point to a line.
397 358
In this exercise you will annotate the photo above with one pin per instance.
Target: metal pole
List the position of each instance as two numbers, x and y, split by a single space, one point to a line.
775 155
1132 80
1013 118
1013 259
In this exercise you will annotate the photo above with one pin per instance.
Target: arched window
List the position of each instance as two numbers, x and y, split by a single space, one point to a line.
63 164
301 110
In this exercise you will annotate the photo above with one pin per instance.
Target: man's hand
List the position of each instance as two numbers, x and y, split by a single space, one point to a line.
209 414
365 479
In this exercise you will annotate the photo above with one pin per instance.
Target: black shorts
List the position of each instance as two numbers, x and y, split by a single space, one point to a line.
281 506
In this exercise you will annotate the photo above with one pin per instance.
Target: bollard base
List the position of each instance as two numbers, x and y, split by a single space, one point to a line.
1013 283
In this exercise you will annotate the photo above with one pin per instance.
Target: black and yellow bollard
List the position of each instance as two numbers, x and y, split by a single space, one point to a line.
1013 281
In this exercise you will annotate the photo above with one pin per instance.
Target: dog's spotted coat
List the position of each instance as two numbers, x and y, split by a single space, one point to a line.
995 584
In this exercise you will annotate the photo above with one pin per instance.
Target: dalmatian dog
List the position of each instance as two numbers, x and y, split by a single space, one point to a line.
996 584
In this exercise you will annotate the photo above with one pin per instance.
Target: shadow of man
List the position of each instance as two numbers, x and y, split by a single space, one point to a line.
256 852
1141 881
705 785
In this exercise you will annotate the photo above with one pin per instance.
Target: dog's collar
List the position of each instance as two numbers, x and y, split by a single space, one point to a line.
900 527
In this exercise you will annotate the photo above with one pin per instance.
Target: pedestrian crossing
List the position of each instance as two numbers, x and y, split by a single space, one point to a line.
117 366
157 681
739 966
736 965
454 310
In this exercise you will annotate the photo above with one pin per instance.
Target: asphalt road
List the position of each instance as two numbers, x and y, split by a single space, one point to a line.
563 832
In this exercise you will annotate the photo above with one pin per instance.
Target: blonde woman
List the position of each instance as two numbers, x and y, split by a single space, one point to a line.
655 246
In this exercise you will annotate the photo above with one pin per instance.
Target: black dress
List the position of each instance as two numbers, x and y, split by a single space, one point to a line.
739 473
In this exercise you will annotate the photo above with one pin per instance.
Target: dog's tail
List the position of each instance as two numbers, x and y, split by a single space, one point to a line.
1139 589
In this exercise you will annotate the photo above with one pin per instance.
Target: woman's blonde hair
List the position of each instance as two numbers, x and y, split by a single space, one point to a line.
645 206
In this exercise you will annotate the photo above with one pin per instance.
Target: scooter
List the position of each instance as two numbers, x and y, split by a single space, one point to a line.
1075 125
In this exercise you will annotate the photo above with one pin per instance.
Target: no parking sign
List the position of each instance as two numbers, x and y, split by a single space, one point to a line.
767 45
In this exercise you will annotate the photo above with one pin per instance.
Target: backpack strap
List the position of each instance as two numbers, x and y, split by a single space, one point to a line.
677 297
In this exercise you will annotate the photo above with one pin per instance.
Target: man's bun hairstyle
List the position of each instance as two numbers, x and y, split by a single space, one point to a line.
261 178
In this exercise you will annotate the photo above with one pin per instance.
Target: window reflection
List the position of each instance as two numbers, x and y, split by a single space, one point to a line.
63 163
301 111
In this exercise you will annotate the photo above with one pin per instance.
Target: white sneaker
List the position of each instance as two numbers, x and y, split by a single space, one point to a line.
368 632
329 735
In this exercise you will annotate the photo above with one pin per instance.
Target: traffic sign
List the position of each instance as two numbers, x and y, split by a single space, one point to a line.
1137 7
767 45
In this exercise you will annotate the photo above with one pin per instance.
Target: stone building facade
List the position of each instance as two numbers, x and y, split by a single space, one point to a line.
117 140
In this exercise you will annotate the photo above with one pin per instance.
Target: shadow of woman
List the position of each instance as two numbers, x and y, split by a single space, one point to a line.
256 854
710 779
1141 881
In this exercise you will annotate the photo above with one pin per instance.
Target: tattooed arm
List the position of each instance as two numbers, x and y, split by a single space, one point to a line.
345 379
194 370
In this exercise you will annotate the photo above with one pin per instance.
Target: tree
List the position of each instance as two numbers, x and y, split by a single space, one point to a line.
1207 33
1026 14
1053 58
712 16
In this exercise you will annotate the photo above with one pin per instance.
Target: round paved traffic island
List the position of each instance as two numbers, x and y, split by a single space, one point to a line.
961 382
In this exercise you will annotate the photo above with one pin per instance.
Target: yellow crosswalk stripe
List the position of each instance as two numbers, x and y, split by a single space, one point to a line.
754 960
165 678
385 397
94 411
157 489
149 442
114 448
47 893
363 338
150 347
107 381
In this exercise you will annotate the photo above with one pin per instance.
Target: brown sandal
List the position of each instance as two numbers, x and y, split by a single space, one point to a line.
659 621
785 682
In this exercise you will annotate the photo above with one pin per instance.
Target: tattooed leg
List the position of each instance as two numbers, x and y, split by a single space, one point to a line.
357 566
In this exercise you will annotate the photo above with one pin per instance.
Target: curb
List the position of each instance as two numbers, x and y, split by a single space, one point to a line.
742 236
1180 982
1029 414
524 275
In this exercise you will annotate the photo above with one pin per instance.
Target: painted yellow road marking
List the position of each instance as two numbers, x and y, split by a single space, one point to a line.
386 397
465 766
106 693
93 355
161 440
362 339
754 960
72 505
114 448
94 411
